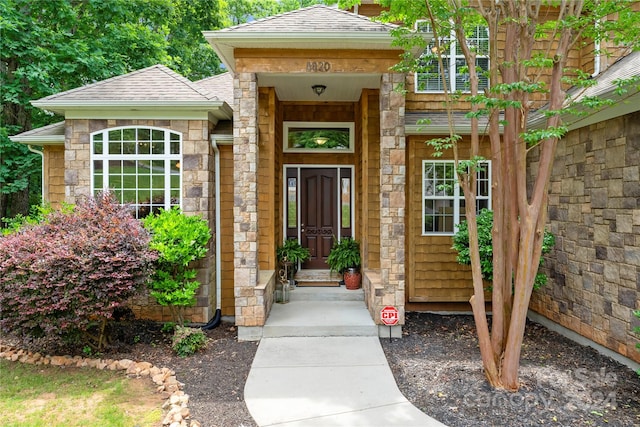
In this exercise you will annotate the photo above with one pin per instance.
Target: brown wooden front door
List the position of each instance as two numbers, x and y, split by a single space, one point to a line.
318 213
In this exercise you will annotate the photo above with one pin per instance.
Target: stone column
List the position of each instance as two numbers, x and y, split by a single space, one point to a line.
245 212
392 197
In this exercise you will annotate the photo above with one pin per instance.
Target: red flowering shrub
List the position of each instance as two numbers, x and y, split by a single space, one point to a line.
68 274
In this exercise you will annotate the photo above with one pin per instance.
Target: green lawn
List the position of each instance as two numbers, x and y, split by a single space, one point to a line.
37 396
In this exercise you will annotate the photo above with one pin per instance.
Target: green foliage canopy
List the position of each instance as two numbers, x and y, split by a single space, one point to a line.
49 47
485 240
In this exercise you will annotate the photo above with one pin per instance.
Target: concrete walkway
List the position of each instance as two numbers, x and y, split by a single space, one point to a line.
325 380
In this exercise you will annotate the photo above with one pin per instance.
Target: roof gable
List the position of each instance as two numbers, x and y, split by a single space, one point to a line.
317 18
316 27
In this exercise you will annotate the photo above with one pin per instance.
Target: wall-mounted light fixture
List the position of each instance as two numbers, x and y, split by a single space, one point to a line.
318 89
321 141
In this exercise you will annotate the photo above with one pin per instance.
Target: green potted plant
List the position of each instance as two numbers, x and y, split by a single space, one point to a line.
291 251
345 259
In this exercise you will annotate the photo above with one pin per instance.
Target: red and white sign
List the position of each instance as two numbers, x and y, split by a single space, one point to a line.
389 315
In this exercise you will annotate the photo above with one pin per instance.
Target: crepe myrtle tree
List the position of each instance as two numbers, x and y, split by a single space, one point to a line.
529 43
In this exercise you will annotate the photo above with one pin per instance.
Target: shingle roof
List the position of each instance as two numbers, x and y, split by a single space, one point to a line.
315 27
437 123
318 18
623 69
50 134
155 83
624 102
221 85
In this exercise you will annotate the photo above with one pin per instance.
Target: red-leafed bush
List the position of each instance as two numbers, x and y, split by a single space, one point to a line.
68 274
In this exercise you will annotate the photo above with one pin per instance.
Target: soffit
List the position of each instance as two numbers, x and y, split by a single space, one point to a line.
339 87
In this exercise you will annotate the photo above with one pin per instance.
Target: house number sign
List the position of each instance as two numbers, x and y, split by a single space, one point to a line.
318 66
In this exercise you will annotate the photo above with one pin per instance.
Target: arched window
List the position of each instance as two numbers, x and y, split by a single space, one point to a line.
139 165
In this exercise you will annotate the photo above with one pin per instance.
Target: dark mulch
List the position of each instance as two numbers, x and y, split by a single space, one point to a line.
437 367
214 378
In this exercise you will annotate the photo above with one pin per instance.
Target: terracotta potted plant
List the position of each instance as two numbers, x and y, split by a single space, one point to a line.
345 259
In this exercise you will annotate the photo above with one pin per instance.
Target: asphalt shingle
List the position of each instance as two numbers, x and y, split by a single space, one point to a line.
155 83
318 18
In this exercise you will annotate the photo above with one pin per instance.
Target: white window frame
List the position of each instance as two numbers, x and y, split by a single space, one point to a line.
453 53
166 157
317 125
457 197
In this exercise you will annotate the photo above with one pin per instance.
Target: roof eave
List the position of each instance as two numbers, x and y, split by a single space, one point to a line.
460 129
39 140
622 105
219 109
224 43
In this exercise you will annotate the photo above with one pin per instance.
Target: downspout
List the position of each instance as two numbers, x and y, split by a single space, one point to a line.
596 58
217 318
41 154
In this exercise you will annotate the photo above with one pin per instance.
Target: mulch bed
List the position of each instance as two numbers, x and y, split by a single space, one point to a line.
437 367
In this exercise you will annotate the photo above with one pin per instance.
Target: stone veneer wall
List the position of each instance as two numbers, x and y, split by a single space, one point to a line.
197 188
392 201
251 301
594 211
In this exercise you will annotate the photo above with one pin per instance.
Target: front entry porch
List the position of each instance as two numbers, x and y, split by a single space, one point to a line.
320 312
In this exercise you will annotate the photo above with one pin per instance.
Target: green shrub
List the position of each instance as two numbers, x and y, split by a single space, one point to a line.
168 327
485 242
179 240
186 341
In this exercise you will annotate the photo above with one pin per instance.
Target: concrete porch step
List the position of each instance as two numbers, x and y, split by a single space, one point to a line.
319 318
317 278
338 293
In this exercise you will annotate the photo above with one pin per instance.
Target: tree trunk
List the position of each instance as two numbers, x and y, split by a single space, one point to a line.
18 203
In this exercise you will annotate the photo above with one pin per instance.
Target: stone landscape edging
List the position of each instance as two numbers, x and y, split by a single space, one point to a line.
175 408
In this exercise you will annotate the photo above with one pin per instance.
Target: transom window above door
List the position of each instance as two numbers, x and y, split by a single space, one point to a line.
318 136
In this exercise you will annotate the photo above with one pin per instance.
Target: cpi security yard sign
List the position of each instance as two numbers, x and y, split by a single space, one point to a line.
389 315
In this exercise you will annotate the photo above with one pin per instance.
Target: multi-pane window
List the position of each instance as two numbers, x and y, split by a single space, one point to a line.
428 77
443 200
139 165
